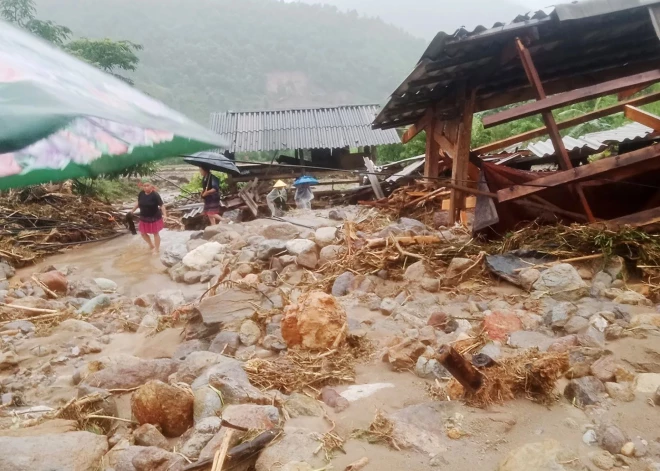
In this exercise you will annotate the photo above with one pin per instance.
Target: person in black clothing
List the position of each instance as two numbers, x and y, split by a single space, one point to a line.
211 195
152 212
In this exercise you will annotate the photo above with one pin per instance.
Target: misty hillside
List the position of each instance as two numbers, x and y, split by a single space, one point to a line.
424 18
212 55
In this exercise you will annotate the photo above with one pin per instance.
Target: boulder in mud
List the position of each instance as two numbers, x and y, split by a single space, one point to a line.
296 445
270 248
331 253
562 282
54 281
325 236
301 405
547 455
195 439
236 389
342 284
78 328
316 322
149 435
76 451
203 256
170 407
252 416
498 325
281 231
416 272
173 255
85 289
459 270
585 391
225 342
305 251
132 374
611 438
404 355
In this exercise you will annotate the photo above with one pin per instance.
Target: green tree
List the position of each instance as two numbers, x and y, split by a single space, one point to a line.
23 13
106 54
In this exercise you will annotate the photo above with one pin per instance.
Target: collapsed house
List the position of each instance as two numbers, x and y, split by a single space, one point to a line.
577 53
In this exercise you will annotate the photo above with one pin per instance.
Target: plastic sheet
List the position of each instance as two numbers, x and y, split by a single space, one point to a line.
304 196
276 201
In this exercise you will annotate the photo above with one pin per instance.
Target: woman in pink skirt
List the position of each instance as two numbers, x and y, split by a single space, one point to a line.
152 212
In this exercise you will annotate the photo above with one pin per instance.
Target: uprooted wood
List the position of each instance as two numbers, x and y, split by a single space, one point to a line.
532 375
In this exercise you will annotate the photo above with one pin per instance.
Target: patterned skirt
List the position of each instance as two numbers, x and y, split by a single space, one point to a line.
151 227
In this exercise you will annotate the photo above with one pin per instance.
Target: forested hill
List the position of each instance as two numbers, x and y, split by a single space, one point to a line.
211 55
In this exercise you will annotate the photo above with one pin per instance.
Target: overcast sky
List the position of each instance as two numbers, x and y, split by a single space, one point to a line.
424 18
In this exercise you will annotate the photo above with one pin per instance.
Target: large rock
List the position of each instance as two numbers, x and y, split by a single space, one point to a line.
585 391
647 383
331 253
301 405
281 231
149 435
173 255
78 328
295 445
250 333
84 289
651 320
203 256
499 324
633 298
611 438
416 272
315 322
159 403
325 236
422 427
270 248
152 459
100 301
72 451
54 281
194 441
207 404
305 251
562 282
236 389
132 374
252 416
188 347
560 314
106 285
404 355
528 277
342 284
604 368
230 307
542 456
599 283
225 342
524 340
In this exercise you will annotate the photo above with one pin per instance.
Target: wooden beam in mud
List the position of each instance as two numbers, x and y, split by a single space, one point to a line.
571 97
569 123
550 124
642 117
589 171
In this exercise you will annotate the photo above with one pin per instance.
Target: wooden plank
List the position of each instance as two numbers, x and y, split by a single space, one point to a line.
432 164
569 123
642 117
373 179
571 97
643 218
584 172
624 95
418 127
460 169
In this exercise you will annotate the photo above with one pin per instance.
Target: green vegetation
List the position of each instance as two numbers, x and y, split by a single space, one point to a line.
202 56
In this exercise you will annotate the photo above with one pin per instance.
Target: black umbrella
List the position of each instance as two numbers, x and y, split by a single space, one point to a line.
213 161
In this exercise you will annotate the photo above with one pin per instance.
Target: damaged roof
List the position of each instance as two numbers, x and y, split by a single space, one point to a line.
311 128
576 45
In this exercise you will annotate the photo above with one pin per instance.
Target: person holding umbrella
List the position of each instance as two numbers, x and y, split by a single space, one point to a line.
152 212
210 195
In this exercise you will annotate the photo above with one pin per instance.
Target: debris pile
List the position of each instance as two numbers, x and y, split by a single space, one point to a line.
36 223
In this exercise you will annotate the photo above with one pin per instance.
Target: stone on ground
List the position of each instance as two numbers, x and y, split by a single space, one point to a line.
547 455
325 236
131 375
415 272
250 333
297 445
78 328
203 256
404 355
314 323
252 416
230 307
331 253
301 405
270 248
647 383
173 255
459 270
149 435
584 391
160 404
528 277
195 439
169 300
562 282
75 451
422 427
225 342
499 324
106 285
54 281
305 251
342 284
611 438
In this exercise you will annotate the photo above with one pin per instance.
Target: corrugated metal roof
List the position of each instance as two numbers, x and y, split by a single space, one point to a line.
314 128
574 46
595 141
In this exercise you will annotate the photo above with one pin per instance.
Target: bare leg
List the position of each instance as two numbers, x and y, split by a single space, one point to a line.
212 220
217 218
147 239
157 242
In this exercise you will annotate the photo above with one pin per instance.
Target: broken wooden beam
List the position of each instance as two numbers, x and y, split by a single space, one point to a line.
584 172
642 117
571 97
418 127
640 219
461 369
569 123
